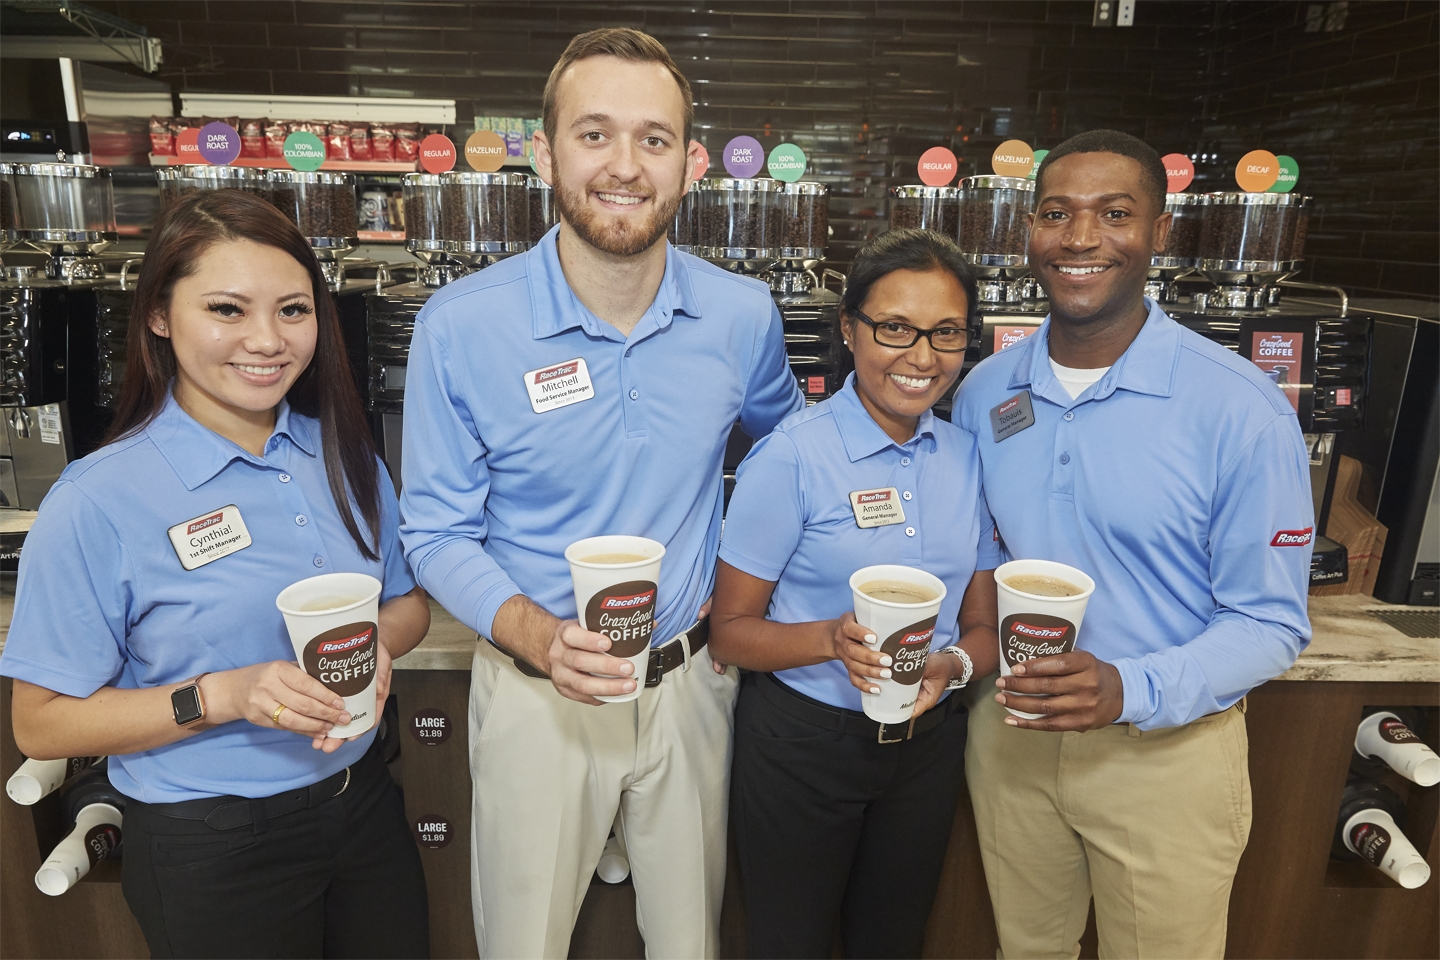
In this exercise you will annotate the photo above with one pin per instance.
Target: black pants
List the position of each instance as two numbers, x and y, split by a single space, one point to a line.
341 879
837 831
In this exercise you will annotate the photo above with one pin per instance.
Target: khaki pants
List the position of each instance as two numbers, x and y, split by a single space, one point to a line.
1151 822
550 775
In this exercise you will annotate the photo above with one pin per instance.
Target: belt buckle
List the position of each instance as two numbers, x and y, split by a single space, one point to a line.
654 668
909 731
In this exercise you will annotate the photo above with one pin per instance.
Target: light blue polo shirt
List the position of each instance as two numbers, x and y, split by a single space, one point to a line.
102 599
791 520
494 491
1180 482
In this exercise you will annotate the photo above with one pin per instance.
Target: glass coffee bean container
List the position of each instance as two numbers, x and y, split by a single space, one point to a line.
484 216
926 208
321 204
686 225
804 221
1182 250
740 224
65 209
185 179
1249 242
994 228
542 209
424 235
8 220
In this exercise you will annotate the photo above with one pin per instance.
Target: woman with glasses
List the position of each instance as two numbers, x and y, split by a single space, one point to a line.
841 823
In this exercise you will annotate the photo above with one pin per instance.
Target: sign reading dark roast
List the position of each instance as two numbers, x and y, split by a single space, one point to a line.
626 614
1026 636
343 659
430 725
434 831
908 649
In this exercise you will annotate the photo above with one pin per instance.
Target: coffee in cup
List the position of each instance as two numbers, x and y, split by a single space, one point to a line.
900 606
1041 606
617 582
333 624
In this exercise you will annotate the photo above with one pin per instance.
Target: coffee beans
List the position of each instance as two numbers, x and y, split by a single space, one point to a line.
485 209
740 216
683 232
993 216
805 216
1257 227
421 196
926 208
320 204
179 182
542 208
7 207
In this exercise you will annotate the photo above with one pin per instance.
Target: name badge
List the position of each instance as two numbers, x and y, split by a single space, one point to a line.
209 537
1012 416
557 386
877 508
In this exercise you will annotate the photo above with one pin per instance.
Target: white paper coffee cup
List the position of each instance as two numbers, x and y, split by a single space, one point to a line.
333 623
1384 735
1373 836
902 630
96 834
1033 626
36 779
618 599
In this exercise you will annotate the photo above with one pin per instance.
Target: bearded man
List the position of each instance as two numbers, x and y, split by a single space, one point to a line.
661 354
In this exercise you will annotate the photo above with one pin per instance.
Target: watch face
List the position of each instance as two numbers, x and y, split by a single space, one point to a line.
186 704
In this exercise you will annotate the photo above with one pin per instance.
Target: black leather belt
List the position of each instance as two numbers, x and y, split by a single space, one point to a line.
227 813
851 722
664 659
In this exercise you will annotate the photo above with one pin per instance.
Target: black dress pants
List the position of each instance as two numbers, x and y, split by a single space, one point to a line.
836 831
339 879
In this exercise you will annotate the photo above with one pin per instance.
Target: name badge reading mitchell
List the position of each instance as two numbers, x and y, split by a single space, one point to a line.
559 386
209 537
877 508
1012 416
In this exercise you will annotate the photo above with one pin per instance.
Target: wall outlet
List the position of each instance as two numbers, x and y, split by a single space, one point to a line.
1125 13
1104 13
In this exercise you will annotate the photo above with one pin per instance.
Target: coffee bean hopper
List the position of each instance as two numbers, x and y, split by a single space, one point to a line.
67 211
322 205
1249 242
804 232
185 179
1182 250
740 224
994 228
484 217
543 215
8 220
917 207
424 233
685 229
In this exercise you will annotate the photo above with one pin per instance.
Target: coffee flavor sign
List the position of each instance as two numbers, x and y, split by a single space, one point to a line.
908 649
625 613
1029 636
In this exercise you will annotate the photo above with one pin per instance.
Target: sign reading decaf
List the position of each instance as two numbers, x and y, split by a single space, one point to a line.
1395 731
625 613
434 831
1370 840
343 659
1027 636
430 725
101 841
908 648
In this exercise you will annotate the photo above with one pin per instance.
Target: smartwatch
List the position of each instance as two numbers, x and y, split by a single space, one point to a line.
188 704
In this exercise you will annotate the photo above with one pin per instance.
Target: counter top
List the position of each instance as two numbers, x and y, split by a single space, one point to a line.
1350 643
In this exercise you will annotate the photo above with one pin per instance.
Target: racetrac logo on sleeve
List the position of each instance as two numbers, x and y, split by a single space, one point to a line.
1293 538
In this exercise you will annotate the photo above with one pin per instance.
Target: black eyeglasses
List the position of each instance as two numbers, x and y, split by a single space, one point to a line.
889 333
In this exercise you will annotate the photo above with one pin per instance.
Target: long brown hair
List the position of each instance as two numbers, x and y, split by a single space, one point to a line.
324 390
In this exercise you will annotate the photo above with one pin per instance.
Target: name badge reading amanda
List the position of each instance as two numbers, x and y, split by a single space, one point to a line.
209 537
559 386
1012 416
877 508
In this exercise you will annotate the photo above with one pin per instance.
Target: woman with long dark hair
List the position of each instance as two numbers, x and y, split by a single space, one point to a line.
249 831
841 822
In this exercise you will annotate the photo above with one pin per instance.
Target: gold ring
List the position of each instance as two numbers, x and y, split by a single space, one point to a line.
275 717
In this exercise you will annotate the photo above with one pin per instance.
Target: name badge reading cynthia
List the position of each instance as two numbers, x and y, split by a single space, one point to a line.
209 537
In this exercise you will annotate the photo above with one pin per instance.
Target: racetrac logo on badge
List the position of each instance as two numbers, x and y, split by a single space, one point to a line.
878 497
563 370
1008 405
626 603
1293 538
1039 633
204 522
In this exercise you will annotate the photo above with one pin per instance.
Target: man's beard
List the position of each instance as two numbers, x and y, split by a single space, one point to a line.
616 238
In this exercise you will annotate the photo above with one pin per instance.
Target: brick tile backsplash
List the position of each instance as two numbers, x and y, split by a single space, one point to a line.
865 85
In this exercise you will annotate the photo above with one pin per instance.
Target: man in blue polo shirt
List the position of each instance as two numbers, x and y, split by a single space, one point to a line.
661 354
1174 473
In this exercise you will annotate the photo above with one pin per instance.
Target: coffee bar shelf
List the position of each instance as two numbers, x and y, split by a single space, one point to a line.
1290 898
396 168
